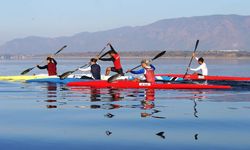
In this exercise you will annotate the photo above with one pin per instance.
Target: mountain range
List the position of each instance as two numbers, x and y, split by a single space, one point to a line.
215 32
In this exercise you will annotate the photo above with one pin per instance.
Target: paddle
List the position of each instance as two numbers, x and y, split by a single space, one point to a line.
66 74
114 77
29 69
196 45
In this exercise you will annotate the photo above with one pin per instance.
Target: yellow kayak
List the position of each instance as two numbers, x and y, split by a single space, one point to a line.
23 77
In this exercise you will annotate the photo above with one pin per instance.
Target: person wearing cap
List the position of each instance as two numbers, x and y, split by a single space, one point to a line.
94 68
202 67
51 66
115 58
147 69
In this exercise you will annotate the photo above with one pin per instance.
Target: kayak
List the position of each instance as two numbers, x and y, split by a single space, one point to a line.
23 77
55 80
74 78
144 85
200 77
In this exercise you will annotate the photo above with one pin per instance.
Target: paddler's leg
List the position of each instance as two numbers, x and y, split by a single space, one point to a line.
120 71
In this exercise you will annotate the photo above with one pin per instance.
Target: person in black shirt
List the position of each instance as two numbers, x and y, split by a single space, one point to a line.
94 68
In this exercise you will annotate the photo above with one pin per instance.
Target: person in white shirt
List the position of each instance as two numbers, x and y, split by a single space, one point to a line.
202 67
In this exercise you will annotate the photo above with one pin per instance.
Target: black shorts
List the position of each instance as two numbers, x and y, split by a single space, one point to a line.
119 71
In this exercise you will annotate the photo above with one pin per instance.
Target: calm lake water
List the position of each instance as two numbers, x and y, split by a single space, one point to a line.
50 116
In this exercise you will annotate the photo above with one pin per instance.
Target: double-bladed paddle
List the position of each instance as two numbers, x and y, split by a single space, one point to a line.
29 69
116 76
196 45
66 74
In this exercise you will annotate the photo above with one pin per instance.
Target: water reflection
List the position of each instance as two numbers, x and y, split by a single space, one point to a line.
196 136
51 95
108 133
161 134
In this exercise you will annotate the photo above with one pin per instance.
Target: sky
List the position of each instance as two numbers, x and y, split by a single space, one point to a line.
53 18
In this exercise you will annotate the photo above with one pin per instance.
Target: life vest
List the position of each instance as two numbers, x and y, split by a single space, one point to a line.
149 75
52 69
117 61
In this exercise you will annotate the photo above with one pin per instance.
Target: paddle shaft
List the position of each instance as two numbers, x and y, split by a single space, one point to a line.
55 53
66 74
157 56
114 77
29 69
96 56
196 45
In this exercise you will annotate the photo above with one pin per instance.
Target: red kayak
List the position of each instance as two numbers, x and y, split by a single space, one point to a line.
142 85
200 77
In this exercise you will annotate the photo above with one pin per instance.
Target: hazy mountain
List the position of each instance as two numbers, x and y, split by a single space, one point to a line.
214 32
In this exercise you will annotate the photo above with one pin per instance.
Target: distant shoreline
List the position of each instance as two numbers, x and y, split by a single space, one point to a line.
229 54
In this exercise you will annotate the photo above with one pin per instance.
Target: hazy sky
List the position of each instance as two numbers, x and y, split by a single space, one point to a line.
52 18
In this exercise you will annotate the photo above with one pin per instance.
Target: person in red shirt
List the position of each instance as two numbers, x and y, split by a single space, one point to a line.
51 66
115 58
147 69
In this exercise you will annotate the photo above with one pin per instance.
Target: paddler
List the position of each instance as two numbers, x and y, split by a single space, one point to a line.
51 66
202 67
115 58
147 69
94 68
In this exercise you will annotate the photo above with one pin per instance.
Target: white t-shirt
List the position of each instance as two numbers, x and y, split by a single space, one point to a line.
202 67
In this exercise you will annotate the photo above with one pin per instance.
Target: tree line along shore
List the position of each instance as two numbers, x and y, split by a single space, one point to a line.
225 54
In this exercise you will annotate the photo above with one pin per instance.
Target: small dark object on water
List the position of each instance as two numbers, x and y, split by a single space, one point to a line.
109 115
161 134
108 133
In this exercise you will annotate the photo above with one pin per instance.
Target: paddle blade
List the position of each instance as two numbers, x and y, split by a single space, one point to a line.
114 77
27 71
65 75
196 45
159 55
60 49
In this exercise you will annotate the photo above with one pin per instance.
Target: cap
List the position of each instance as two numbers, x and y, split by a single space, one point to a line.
146 61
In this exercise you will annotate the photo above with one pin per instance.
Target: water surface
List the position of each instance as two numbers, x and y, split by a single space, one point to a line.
52 116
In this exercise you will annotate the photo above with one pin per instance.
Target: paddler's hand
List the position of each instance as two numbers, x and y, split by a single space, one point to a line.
128 71
97 57
193 55
188 68
109 44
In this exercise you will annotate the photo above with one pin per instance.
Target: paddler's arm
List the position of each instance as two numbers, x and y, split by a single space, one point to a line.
152 66
107 59
111 47
141 71
85 69
103 55
195 57
196 69
54 61
42 67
